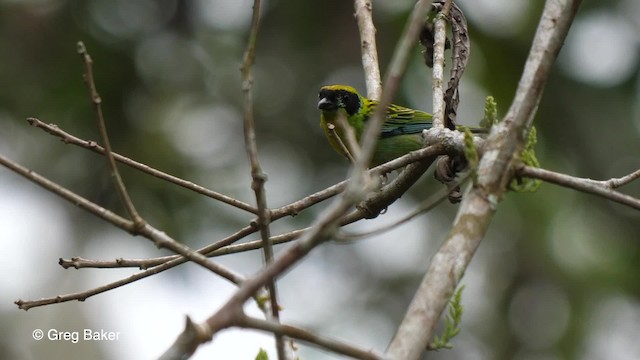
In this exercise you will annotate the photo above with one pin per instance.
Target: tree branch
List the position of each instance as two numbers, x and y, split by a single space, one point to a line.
385 196
618 182
272 308
307 336
97 104
479 204
93 146
439 40
363 12
396 70
226 246
161 239
324 227
600 188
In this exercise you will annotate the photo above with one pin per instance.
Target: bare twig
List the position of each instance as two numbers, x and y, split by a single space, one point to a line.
324 227
309 337
600 188
396 70
364 9
412 157
350 141
618 182
258 176
343 147
161 239
93 146
213 249
83 295
97 104
68 195
226 246
479 204
426 205
184 346
440 37
173 262
387 195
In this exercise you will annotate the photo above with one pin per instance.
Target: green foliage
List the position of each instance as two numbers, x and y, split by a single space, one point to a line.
261 300
490 113
528 157
262 355
452 323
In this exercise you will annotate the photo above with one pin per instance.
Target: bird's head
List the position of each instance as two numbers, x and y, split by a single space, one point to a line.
334 97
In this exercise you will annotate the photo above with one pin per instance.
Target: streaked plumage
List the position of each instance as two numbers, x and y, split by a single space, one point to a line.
400 133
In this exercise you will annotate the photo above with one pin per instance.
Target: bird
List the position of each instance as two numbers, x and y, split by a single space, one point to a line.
400 133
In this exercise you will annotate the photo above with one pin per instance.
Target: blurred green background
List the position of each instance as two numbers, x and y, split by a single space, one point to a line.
557 277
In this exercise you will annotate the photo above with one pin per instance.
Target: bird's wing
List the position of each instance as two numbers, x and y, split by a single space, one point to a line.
403 121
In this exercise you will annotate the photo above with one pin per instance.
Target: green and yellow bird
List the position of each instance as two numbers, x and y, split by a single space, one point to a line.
400 133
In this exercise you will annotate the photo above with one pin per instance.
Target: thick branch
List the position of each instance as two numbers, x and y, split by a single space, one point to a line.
479 204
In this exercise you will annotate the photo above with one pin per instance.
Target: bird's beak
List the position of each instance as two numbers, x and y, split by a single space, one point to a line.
326 104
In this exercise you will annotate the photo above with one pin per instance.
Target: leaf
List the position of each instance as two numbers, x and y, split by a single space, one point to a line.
528 157
452 323
262 355
490 113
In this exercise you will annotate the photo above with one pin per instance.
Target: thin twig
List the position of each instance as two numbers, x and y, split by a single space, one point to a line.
175 261
68 195
600 188
396 70
286 210
412 157
336 346
93 146
439 40
618 182
257 175
479 204
161 239
325 225
228 314
97 104
350 137
363 12
226 246
343 147
386 195
427 205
